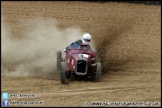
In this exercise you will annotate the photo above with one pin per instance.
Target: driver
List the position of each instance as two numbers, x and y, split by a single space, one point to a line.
86 38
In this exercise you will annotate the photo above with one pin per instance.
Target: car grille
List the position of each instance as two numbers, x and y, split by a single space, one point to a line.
81 66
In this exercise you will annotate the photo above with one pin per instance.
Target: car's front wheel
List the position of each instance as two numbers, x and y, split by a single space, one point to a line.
62 73
59 59
97 72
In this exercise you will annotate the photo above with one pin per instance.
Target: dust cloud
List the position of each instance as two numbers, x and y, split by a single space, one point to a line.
34 53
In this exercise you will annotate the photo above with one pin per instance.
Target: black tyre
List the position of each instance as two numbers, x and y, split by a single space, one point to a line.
98 72
59 59
62 73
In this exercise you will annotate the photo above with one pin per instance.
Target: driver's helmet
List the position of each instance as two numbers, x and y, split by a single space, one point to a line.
86 38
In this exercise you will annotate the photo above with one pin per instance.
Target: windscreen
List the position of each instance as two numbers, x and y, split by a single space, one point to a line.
74 47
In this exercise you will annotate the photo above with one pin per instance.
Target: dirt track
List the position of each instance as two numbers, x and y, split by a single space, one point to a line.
127 34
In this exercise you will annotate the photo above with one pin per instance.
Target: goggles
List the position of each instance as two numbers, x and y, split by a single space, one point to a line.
86 40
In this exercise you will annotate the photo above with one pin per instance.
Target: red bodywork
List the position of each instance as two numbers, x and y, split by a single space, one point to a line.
74 54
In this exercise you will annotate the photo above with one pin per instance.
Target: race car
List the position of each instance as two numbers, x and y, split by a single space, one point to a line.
79 62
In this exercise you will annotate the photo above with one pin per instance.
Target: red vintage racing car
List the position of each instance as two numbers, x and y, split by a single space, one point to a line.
80 61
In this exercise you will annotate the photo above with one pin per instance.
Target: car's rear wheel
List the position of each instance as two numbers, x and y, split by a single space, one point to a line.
62 72
59 59
98 72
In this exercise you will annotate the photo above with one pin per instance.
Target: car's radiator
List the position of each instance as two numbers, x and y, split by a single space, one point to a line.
81 66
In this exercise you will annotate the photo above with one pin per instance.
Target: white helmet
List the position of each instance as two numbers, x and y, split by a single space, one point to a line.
86 38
